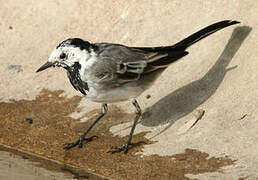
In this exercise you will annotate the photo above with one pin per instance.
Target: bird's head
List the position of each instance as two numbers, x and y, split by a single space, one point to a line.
67 53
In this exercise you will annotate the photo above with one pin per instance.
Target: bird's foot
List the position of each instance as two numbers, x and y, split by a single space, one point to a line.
125 147
79 142
116 149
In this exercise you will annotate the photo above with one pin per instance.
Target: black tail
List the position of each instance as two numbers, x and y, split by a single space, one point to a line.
177 50
203 33
185 43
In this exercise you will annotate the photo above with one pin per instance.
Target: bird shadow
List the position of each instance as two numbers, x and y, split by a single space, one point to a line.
184 100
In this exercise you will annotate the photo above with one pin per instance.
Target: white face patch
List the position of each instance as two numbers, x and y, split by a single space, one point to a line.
73 54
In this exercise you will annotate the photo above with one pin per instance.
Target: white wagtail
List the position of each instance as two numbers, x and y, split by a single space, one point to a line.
108 73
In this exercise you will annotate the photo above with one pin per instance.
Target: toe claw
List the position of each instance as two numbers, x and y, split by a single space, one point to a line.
125 148
79 142
69 146
117 149
80 145
90 138
114 147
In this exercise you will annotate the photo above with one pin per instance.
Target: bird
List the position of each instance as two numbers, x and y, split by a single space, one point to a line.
107 72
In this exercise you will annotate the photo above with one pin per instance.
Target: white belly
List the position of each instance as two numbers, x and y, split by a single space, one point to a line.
113 94
108 93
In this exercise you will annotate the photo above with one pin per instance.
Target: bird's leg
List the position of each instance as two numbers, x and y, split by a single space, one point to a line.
125 147
82 138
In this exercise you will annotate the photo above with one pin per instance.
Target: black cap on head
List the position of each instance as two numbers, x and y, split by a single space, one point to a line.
76 42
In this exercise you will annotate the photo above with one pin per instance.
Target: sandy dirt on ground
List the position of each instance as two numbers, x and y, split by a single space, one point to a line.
42 126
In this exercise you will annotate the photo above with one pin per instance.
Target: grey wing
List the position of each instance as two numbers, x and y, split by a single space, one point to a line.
127 64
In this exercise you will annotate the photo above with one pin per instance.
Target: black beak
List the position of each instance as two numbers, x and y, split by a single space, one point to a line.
45 66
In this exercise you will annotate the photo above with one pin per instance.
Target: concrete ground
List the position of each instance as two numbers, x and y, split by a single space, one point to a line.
218 77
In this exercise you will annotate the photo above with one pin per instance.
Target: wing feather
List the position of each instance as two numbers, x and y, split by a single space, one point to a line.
130 63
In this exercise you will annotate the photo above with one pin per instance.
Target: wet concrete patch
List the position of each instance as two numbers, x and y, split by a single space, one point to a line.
16 164
52 127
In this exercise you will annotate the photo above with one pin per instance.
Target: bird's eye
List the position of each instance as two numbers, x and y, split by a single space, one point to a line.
62 55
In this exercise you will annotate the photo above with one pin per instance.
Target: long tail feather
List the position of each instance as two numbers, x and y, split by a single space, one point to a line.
185 43
203 33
